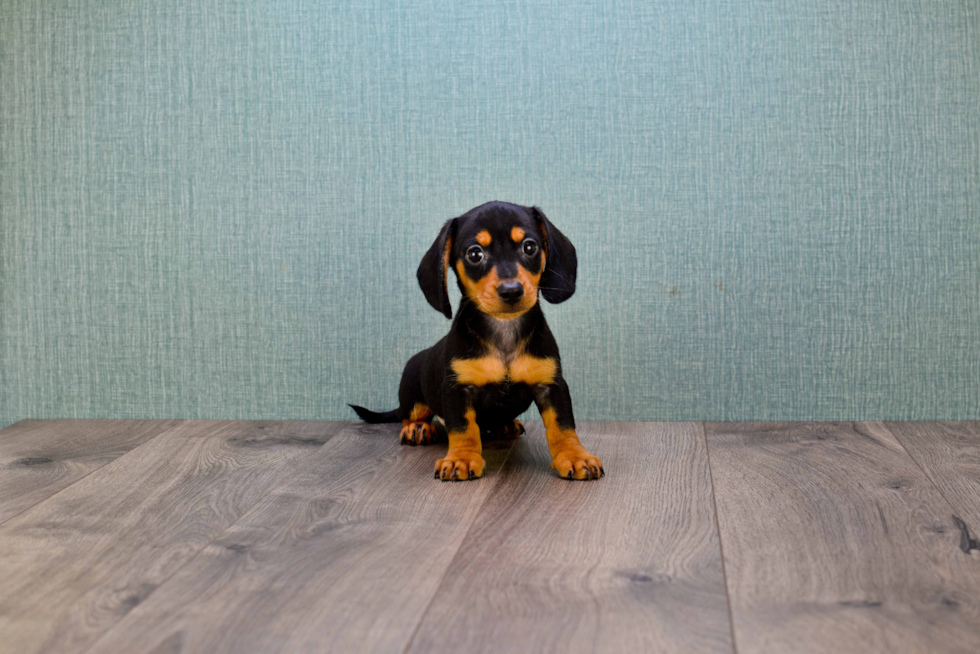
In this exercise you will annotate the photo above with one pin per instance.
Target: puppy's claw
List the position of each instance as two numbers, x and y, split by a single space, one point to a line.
416 433
461 466
576 463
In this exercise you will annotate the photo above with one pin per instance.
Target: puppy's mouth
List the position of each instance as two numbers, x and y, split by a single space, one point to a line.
504 299
509 314
502 310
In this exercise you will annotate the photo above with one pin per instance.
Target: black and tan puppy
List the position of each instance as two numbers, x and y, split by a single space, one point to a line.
499 355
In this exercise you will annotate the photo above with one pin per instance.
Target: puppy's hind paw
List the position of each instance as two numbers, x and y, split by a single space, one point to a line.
417 432
512 430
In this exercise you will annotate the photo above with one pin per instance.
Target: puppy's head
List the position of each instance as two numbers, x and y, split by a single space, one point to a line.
502 254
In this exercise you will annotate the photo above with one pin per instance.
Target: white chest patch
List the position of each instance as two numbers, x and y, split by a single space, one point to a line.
504 334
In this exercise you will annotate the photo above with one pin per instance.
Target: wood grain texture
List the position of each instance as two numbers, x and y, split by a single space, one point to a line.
835 541
38 458
343 558
949 453
75 564
628 563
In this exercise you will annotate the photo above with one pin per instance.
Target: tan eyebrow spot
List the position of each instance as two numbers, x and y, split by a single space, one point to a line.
484 238
517 234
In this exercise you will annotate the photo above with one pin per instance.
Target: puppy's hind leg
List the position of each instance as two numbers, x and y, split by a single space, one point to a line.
513 429
418 429
415 413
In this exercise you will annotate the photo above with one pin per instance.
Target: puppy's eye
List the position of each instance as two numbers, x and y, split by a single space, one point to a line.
475 254
529 247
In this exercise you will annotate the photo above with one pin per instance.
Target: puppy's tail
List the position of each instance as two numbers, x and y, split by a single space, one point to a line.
372 417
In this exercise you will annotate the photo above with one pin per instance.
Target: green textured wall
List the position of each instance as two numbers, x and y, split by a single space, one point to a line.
216 209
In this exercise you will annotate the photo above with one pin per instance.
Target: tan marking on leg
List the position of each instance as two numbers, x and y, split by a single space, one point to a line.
420 412
463 460
568 457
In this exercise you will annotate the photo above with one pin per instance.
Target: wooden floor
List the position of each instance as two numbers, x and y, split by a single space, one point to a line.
195 536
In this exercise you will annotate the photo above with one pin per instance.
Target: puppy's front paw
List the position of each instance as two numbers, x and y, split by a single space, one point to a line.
460 465
417 432
574 462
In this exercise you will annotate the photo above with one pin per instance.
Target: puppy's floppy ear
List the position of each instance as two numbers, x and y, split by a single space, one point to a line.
434 269
560 264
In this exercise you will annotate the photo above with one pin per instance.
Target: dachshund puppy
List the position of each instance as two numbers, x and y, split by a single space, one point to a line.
499 355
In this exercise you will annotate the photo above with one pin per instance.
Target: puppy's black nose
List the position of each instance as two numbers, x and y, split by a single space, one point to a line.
511 292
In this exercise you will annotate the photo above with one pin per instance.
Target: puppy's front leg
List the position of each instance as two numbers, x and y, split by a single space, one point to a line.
464 459
568 457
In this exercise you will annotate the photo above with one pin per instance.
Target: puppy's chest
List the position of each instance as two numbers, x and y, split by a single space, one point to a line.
498 367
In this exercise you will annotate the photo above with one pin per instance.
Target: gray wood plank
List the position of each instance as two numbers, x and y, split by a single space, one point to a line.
949 452
38 458
628 563
835 541
342 558
75 564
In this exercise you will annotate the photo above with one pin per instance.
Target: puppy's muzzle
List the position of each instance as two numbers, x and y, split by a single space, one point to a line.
511 292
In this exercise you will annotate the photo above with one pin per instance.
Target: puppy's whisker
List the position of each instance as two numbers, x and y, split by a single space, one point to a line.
560 276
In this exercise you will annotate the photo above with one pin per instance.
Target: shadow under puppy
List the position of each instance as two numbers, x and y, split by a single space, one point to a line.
499 355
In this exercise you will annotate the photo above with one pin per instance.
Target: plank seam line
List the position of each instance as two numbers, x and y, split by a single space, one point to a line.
345 425
94 470
442 578
721 547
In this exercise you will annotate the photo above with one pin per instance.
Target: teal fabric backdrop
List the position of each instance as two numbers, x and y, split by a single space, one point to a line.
216 209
